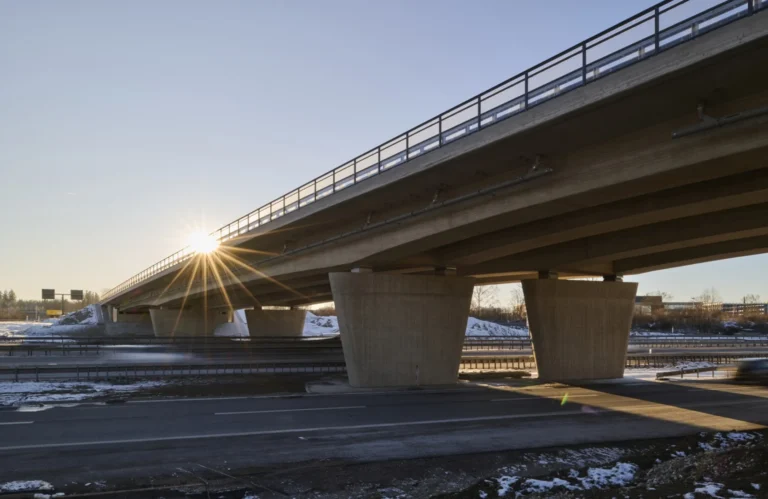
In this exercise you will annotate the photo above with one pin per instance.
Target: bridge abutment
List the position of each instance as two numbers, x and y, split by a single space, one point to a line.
401 330
579 329
284 323
191 322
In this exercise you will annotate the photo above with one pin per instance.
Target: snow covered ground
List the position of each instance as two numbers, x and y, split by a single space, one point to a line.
12 393
79 321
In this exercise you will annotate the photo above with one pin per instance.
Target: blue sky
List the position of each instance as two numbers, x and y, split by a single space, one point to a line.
125 125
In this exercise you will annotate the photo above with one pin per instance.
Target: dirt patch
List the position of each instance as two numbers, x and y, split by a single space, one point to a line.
655 468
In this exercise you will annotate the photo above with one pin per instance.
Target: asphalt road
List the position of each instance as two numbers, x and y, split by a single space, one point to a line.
141 438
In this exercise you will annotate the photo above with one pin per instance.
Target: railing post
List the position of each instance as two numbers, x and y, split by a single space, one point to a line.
479 113
440 131
584 63
750 7
378 159
525 92
354 171
656 43
407 145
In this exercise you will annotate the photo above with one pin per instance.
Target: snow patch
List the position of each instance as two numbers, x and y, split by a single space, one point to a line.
25 486
739 493
709 488
505 484
621 475
12 393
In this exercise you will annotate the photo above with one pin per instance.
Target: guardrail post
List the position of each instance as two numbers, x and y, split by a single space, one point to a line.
656 41
584 63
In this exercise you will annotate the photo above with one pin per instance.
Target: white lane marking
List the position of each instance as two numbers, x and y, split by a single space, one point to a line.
17 422
548 397
308 395
293 430
289 410
369 426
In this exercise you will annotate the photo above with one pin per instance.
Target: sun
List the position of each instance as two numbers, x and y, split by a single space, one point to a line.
200 242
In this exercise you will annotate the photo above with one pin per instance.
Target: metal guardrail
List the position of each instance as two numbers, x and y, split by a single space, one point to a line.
87 372
470 342
658 28
491 363
691 370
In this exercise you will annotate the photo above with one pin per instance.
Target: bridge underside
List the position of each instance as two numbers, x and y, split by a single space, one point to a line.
591 184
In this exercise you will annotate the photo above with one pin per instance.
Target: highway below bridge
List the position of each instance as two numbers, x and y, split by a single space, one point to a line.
56 358
153 439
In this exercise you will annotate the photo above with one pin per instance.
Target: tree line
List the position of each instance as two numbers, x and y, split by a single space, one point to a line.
12 308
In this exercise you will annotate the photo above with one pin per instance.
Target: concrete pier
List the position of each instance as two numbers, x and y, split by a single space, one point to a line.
580 329
136 324
401 330
285 323
191 322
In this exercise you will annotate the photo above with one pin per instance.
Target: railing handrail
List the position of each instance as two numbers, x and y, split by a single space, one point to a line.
660 40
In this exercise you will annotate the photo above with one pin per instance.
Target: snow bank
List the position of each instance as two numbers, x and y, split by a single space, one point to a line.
12 393
16 328
317 325
84 317
25 486
476 327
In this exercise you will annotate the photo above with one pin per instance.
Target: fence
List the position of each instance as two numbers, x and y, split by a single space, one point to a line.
650 32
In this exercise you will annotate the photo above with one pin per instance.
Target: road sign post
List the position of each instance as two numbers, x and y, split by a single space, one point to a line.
75 294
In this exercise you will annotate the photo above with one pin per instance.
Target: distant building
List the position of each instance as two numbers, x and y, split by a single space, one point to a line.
646 305
745 308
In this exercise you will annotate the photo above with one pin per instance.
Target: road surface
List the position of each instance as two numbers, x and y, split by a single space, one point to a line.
154 437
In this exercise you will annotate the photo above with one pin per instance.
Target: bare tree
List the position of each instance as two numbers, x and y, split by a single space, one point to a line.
484 297
517 300
751 299
709 296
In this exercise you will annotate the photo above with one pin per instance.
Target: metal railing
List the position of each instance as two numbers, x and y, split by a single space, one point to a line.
663 26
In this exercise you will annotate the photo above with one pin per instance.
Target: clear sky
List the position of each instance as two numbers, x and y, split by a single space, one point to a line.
125 125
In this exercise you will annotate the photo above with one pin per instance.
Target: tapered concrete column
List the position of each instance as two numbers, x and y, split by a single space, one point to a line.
106 314
288 323
129 324
580 329
191 322
401 330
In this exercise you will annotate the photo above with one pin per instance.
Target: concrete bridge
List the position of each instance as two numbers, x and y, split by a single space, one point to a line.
639 149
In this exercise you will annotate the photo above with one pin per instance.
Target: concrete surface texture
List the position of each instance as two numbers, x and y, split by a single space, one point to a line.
130 324
187 322
579 329
400 330
275 322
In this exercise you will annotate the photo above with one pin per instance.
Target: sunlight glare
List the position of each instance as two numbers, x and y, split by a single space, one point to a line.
201 242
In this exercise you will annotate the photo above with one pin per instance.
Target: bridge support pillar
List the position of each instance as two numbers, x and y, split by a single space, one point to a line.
285 323
191 322
401 330
107 314
123 324
580 329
